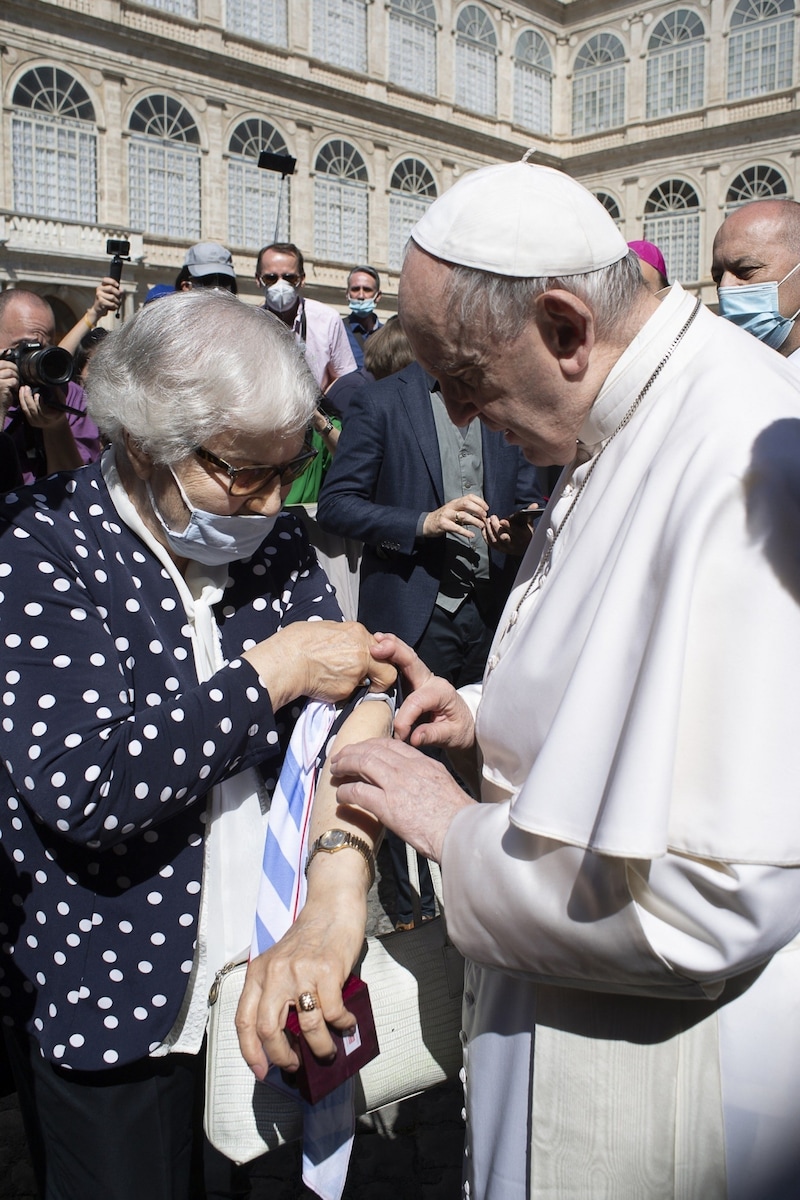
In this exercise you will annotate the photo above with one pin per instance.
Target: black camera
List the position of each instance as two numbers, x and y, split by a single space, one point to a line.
120 251
40 366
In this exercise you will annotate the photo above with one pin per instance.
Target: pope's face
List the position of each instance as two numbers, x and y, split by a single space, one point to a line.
516 387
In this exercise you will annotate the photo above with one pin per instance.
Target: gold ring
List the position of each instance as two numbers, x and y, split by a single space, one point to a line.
306 1002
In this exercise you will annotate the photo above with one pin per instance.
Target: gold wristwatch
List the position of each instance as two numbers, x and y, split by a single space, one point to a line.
333 840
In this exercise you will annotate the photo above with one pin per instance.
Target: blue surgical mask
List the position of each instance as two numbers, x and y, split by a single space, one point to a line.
361 308
754 307
213 539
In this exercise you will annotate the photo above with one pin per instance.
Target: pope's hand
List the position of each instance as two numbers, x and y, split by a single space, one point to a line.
446 719
407 791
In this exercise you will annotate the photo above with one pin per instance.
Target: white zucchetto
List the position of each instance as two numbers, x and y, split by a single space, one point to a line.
523 220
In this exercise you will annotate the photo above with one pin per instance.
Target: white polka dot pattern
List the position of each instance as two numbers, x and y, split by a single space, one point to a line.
108 747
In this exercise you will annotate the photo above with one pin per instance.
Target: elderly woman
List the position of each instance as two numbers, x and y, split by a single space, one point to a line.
161 619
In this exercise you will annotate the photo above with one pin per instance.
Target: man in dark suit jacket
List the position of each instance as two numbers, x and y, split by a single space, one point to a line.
416 491
385 487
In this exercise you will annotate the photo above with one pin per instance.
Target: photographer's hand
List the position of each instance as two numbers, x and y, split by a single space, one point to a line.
61 452
9 382
107 298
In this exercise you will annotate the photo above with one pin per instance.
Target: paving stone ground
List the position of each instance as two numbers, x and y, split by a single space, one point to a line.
407 1151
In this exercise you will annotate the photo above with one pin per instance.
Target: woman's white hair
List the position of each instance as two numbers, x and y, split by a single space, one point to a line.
501 305
195 365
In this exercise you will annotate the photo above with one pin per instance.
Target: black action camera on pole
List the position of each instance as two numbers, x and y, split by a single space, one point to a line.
120 251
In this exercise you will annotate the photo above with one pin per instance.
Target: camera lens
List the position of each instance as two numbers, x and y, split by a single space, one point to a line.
44 366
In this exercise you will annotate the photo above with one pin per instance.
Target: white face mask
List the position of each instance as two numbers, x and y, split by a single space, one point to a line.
211 538
281 296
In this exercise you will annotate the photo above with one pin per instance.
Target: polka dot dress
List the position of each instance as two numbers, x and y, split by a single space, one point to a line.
109 745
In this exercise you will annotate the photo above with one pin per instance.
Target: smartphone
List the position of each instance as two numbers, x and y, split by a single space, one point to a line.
315 1077
524 516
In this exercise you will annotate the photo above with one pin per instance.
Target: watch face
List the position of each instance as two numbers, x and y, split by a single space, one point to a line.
333 839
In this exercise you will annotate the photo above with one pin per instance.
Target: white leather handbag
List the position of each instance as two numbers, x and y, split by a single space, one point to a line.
415 980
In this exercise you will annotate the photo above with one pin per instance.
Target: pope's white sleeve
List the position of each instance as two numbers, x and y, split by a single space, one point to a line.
676 926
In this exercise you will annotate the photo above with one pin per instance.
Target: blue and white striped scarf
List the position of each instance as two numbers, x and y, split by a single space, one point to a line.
329 1126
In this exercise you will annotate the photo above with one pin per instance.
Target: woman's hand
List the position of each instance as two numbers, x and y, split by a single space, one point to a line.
324 660
318 952
316 955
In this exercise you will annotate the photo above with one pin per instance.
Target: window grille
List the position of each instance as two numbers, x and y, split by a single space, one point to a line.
760 48
675 64
598 85
412 45
411 190
610 205
164 169
476 61
339 33
261 20
340 203
533 83
672 222
54 147
258 201
756 183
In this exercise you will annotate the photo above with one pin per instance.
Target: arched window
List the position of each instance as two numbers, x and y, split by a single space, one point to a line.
760 47
261 20
411 190
672 222
476 61
340 203
258 201
54 147
179 8
412 45
339 33
598 85
610 205
164 168
533 83
675 64
756 183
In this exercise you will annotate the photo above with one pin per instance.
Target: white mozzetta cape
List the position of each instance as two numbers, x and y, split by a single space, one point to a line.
645 700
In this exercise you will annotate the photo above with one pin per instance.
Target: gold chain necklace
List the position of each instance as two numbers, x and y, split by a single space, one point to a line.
543 565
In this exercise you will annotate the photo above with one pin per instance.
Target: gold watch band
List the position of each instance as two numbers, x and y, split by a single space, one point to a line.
334 840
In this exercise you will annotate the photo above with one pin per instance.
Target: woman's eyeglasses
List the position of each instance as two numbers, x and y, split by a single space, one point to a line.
246 481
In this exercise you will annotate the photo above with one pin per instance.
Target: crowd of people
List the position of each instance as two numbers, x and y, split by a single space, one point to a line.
595 734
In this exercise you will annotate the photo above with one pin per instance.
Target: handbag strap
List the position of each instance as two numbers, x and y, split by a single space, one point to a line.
413 878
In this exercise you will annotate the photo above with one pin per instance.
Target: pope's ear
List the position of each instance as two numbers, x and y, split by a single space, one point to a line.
566 325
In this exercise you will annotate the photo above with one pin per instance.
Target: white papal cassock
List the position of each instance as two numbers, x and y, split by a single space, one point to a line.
630 903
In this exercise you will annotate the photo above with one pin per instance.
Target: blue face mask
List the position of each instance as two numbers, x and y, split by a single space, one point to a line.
754 307
360 308
213 539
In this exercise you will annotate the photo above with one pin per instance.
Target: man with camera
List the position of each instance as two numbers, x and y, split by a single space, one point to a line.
45 425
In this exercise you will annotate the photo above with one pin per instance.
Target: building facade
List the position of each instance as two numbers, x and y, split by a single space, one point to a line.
145 120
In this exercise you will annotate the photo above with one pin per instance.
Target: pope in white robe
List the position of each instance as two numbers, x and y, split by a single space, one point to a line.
627 895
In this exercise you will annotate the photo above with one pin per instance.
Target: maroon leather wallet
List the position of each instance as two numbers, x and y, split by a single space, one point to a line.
317 1077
